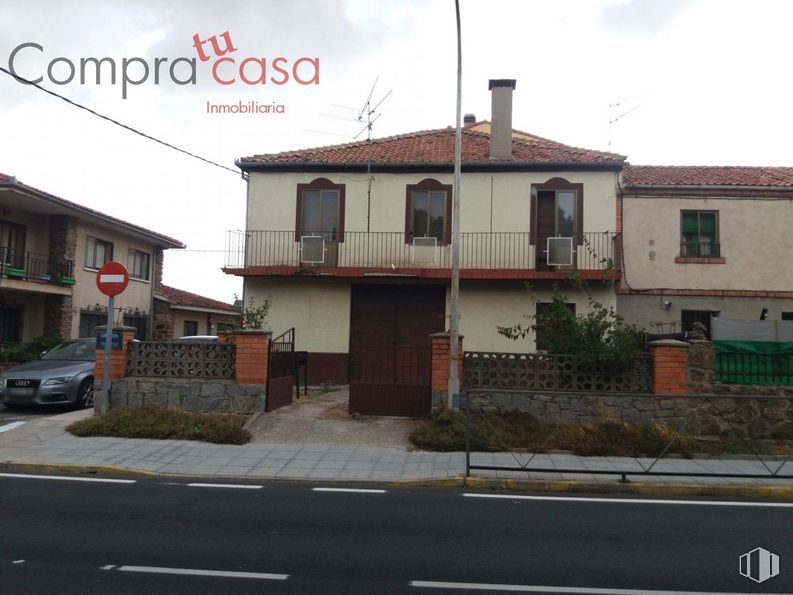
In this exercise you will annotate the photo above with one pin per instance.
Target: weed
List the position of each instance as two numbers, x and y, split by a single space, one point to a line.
161 424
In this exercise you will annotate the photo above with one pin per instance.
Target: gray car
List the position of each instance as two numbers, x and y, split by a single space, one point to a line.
63 375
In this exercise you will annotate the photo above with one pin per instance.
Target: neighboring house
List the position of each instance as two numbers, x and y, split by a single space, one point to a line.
179 313
702 241
50 251
351 243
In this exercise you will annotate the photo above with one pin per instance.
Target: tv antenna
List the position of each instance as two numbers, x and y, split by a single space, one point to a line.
367 115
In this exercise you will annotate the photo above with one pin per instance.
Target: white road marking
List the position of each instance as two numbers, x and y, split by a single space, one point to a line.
65 478
111 278
549 589
634 500
108 567
225 485
18 562
11 426
349 490
199 572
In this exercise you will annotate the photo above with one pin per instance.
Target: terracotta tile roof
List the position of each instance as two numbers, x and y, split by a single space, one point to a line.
180 297
436 147
692 175
160 239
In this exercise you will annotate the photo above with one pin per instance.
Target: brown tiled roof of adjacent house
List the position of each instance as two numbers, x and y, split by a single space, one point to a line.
180 297
163 240
693 175
436 147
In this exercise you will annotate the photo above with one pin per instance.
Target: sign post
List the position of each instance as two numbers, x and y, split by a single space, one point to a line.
111 280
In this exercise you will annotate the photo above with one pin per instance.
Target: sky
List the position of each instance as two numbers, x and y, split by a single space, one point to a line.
685 82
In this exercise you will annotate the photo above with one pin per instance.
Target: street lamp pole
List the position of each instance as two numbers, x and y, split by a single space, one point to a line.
454 319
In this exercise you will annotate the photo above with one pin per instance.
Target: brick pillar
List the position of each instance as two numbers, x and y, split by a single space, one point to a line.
670 367
441 348
118 357
252 355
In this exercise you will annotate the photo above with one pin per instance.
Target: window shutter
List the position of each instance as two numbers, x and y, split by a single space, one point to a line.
707 223
690 223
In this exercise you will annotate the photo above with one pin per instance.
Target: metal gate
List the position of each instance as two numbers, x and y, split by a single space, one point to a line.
281 371
390 347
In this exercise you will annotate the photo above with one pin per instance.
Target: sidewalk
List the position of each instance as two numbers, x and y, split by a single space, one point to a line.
45 442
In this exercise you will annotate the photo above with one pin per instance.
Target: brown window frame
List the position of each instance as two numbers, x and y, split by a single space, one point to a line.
319 184
13 255
93 266
555 185
428 185
133 254
715 244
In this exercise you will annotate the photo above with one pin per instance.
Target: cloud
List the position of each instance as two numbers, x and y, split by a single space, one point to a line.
642 16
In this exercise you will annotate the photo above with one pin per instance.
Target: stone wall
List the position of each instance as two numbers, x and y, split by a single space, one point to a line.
59 309
163 321
756 417
221 396
58 316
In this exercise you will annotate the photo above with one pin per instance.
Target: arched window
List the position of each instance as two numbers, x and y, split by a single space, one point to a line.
428 211
320 210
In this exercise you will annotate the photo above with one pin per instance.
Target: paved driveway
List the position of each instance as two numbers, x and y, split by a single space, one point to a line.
324 419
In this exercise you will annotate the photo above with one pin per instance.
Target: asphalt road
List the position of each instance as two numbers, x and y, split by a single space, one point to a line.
156 536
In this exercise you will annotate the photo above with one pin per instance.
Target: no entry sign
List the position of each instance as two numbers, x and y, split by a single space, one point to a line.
112 278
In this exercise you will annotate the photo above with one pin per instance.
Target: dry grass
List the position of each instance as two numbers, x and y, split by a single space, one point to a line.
161 424
498 432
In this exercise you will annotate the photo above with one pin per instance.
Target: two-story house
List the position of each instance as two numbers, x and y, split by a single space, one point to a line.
50 251
705 241
352 245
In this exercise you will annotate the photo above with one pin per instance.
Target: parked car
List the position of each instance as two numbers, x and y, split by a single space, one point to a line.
62 375
197 339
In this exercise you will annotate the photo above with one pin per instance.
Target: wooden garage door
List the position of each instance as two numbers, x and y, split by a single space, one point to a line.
390 347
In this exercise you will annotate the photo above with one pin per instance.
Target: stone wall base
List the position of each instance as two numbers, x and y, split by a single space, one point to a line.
220 396
760 417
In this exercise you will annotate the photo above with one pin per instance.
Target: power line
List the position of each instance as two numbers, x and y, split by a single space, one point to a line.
116 122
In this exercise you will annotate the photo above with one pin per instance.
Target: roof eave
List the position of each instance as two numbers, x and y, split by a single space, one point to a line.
713 187
161 240
468 166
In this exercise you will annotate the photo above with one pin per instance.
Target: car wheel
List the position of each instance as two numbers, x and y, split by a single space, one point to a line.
85 394
12 406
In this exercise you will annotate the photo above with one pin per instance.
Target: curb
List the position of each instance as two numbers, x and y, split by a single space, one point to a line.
634 489
778 492
66 468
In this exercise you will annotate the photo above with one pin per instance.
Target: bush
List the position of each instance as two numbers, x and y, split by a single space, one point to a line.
161 424
600 336
28 352
513 431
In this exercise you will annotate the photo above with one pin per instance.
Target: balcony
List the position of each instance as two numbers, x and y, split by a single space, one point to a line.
483 255
31 268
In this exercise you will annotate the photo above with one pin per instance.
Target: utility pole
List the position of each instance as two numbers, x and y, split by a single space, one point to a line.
454 319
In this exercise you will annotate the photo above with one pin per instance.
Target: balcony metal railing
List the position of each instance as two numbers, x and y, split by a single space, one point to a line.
390 250
30 266
700 249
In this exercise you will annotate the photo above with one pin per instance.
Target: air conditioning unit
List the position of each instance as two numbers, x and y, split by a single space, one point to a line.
425 250
560 252
312 249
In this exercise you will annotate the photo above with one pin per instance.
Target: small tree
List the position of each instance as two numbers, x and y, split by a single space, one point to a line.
599 336
253 316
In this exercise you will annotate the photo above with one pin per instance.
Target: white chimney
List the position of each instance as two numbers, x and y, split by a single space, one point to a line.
501 118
